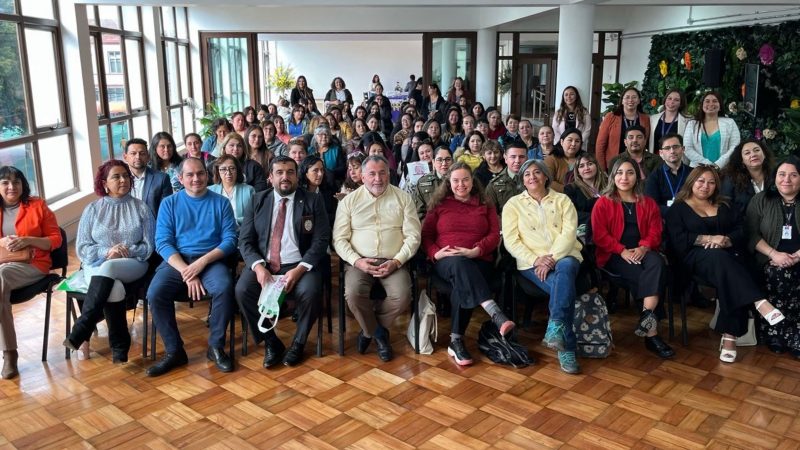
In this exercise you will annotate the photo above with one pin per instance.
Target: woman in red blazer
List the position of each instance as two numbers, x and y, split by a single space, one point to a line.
626 227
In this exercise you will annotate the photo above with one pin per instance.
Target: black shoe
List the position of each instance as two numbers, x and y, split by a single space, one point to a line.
385 352
459 352
362 343
221 359
118 337
657 345
647 322
273 353
168 362
775 346
294 355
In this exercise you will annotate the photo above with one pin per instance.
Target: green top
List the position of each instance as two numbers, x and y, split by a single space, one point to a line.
711 145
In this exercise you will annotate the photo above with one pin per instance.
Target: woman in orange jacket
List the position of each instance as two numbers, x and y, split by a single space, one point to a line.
611 135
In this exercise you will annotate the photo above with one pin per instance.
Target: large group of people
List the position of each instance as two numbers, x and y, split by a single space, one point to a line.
282 186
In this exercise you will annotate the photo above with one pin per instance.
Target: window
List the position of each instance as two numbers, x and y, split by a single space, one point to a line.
35 130
114 62
175 43
119 81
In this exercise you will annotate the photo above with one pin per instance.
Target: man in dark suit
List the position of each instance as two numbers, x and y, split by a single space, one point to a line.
149 186
285 232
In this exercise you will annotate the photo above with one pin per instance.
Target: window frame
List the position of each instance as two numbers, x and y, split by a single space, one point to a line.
63 126
181 44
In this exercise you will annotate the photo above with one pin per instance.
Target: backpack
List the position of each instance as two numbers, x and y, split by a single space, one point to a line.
592 326
502 350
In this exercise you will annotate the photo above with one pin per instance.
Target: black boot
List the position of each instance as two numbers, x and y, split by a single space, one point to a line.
119 339
92 311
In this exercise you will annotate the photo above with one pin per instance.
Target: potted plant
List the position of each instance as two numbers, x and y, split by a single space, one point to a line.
282 79
612 93
212 113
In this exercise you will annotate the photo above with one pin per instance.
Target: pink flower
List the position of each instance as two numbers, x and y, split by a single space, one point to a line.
766 54
758 134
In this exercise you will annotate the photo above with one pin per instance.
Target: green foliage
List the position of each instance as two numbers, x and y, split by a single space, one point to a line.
612 93
504 83
282 79
779 82
212 113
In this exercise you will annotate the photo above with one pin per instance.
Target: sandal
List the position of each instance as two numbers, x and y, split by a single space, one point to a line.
726 355
773 317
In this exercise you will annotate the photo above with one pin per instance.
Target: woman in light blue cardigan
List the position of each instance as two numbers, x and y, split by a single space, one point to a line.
229 183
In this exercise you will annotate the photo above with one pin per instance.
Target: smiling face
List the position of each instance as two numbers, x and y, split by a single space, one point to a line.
338 84
474 144
227 173
193 146
372 124
787 180
315 174
494 119
11 190
256 138
534 180
468 124
235 148
525 129
704 186
283 178
442 161
569 97
193 177
587 170
634 142
752 155
323 140
434 130
375 149
711 104
514 158
512 125
492 156
297 153
571 144
630 100
625 177
461 184
221 132
270 132
359 127
672 102
546 136
376 177
425 152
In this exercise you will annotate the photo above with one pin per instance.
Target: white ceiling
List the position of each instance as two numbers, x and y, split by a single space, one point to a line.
433 3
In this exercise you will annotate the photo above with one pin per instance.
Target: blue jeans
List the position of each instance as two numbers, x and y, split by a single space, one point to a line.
560 285
167 285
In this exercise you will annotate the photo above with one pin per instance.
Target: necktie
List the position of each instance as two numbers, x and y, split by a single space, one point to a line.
275 239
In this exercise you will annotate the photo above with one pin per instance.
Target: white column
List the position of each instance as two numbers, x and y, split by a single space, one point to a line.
448 64
486 66
576 29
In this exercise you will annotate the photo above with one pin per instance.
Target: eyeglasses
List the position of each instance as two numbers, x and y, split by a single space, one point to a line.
444 160
673 148
226 169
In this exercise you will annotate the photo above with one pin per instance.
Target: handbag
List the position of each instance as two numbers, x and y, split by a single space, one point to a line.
18 256
428 325
746 340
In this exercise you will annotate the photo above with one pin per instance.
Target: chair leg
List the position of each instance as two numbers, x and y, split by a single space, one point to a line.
684 325
232 339
341 310
671 316
47 323
153 341
145 326
245 332
319 336
68 319
328 286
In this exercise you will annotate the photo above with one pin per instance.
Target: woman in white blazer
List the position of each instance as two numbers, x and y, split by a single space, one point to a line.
710 138
670 120
572 114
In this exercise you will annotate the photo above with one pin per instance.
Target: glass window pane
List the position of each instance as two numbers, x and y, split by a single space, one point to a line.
505 44
181 23
44 81
56 159
538 43
90 14
119 136
104 153
115 76
595 42
38 8
13 111
168 21
109 17
7 7
451 58
172 73
135 82
188 122
130 18
229 73
183 71
504 86
176 123
21 157
610 71
612 44
141 127
95 77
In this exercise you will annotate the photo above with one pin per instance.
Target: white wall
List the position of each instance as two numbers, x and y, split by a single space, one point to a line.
355 61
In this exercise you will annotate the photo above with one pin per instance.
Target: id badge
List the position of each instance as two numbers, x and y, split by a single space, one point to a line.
670 202
787 232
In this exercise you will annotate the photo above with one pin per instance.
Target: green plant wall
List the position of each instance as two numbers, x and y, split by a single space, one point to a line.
676 61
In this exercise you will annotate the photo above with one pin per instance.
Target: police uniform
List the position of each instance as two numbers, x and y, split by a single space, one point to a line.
426 186
502 188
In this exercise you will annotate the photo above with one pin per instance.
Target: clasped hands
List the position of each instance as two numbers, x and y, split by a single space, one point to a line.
118 251
370 266
715 241
783 260
14 243
453 250
634 255
543 265
190 276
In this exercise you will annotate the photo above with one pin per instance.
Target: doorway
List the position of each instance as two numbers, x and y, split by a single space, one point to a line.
534 82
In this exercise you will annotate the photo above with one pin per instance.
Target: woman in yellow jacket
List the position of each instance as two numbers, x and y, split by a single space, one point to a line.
540 231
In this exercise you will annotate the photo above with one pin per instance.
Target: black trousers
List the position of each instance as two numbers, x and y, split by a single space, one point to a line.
307 294
469 288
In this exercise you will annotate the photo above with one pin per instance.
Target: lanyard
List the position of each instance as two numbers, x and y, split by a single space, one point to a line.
680 179
669 128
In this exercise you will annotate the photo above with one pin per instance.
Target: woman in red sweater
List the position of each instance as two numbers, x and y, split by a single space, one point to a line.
460 234
626 227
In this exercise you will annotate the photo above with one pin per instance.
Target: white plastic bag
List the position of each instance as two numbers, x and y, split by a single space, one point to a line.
270 301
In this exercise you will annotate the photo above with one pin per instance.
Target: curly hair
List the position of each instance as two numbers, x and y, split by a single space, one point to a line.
102 174
738 173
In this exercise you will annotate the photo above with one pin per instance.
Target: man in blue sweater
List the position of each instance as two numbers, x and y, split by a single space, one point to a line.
195 232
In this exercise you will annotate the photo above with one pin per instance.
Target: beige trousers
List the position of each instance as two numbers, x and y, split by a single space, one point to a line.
357 285
13 276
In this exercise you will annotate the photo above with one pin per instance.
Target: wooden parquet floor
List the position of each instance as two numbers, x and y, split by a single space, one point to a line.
630 400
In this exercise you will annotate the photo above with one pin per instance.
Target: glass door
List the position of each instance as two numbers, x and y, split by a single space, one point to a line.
447 56
229 82
534 82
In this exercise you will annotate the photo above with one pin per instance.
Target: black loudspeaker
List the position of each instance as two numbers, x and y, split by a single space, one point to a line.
713 68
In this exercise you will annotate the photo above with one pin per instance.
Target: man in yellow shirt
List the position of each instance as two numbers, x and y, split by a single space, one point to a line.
376 232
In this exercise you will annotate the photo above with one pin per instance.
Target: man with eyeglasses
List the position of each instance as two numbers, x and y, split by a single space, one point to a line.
636 149
426 186
666 181
195 232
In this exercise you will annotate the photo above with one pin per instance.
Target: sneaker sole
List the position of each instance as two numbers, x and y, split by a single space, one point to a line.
460 362
554 345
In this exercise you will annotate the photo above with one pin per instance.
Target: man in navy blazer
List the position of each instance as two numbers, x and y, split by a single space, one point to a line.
296 253
149 186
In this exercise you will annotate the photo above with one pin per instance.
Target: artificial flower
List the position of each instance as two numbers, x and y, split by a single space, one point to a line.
741 54
758 134
770 133
733 108
687 61
795 104
767 54
662 67
653 102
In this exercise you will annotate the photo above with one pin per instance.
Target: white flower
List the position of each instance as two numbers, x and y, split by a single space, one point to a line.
733 108
769 133
741 54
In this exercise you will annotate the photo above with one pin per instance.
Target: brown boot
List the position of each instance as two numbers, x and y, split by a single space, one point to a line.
9 364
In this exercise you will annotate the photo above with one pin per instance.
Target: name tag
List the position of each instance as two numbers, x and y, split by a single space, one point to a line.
787 232
670 202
